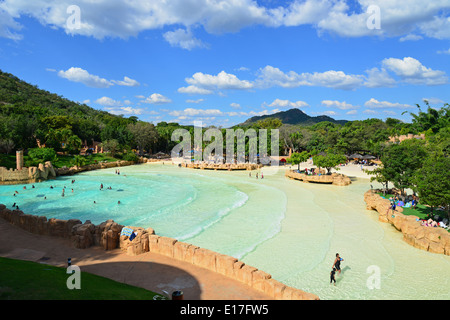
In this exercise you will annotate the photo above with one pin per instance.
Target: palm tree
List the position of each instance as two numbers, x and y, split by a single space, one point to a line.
432 119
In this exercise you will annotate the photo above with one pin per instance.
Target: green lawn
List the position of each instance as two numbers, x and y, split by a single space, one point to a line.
25 280
421 210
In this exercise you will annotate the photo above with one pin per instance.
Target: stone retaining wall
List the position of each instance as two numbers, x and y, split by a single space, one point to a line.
27 175
432 239
336 179
83 235
108 236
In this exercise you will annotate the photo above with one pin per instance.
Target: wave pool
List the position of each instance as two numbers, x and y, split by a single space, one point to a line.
287 228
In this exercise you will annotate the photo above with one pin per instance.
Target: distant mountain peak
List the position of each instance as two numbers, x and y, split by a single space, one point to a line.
295 117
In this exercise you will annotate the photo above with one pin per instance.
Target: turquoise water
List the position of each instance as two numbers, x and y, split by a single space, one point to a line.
289 229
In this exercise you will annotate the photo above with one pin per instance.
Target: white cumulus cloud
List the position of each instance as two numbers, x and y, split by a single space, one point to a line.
375 104
184 39
127 82
124 19
222 80
108 102
157 98
270 76
194 90
338 104
414 72
288 104
80 75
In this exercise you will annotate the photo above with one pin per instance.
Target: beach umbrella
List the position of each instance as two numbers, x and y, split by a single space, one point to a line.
355 156
368 157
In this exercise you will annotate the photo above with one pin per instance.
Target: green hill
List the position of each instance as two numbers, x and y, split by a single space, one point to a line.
294 117
27 113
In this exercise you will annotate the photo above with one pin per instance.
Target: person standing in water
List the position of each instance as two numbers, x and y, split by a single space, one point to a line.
337 263
332 278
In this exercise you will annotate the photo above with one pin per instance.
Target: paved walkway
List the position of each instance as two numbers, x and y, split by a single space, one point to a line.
150 271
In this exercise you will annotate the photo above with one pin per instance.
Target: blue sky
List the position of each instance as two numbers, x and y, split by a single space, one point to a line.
221 62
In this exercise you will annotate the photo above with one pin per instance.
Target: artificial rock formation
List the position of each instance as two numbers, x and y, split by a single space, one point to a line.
432 239
336 179
82 235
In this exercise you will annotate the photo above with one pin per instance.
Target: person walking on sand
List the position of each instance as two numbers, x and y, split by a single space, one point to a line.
337 263
332 277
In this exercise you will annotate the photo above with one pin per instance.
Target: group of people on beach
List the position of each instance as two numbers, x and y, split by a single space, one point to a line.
250 175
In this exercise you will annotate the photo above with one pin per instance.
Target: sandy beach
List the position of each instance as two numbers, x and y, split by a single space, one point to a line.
150 271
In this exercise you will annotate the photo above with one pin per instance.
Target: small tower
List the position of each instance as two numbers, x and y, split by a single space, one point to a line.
19 160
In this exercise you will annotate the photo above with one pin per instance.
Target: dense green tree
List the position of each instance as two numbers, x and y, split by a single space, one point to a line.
329 161
269 123
111 146
144 134
400 163
115 131
432 182
41 155
297 158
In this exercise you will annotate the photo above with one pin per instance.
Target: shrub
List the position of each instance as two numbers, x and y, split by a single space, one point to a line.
40 155
130 156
